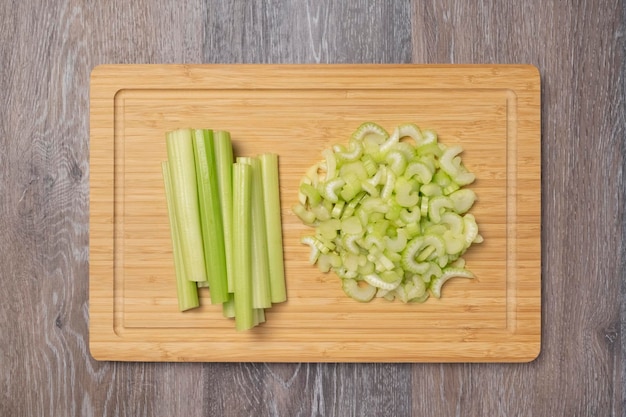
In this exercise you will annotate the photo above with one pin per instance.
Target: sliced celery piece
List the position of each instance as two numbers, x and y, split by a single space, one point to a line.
362 293
448 273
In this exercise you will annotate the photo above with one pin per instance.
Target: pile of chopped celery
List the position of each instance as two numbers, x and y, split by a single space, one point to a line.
390 213
225 225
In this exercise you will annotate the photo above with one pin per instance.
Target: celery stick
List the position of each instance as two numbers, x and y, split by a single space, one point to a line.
210 215
242 246
271 199
185 192
259 316
228 307
260 313
186 290
224 165
261 297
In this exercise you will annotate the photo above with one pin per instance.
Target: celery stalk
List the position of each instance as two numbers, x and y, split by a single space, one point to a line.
186 290
259 316
210 215
185 192
271 199
228 307
224 165
242 246
261 296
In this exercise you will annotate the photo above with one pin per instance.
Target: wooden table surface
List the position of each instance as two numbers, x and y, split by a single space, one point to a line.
47 50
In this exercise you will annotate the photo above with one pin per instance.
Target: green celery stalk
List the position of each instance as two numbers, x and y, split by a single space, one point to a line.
259 316
242 246
224 166
210 215
228 308
271 199
261 295
186 290
185 192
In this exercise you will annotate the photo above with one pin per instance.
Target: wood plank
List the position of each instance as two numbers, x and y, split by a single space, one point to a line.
48 49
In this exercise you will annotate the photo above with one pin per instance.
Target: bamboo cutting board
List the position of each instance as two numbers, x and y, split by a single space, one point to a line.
493 111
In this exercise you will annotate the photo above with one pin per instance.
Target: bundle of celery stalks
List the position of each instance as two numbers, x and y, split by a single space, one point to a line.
224 219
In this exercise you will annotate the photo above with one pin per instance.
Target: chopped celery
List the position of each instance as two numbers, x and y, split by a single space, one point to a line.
362 293
437 283
403 212
377 281
463 200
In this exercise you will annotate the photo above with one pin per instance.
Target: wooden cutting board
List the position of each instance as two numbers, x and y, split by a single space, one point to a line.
493 111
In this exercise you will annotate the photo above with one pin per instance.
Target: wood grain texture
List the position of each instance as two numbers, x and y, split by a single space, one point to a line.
47 49
491 110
